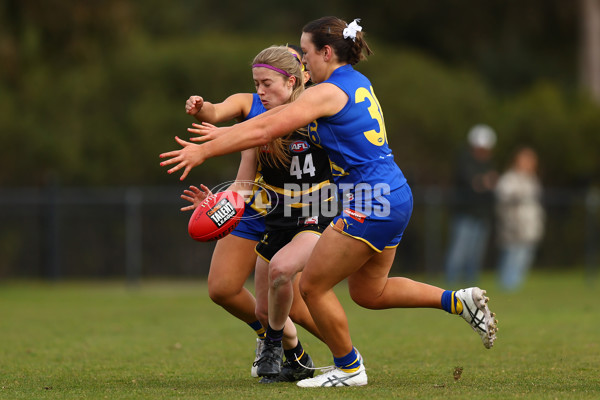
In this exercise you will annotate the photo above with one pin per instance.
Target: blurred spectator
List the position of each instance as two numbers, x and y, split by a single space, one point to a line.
520 218
474 184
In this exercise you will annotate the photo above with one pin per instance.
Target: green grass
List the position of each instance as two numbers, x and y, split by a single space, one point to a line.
167 340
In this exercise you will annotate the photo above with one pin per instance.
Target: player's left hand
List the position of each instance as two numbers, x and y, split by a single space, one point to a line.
191 155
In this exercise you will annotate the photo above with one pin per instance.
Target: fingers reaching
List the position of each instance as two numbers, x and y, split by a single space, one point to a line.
188 157
206 190
185 172
205 130
193 190
195 196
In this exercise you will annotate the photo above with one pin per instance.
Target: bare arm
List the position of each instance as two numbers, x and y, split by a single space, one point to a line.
236 106
246 172
207 131
319 101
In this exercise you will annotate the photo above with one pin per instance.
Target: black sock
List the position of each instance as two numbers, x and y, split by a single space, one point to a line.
295 354
273 335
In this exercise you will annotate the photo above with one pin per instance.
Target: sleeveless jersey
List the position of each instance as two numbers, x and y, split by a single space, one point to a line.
300 194
257 107
355 138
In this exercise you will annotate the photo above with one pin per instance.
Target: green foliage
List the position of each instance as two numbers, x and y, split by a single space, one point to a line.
564 131
428 109
106 123
92 93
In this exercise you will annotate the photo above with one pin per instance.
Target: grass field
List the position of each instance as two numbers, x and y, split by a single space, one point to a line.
167 340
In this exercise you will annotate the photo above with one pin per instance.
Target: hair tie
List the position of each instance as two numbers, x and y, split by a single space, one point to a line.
351 29
272 68
299 61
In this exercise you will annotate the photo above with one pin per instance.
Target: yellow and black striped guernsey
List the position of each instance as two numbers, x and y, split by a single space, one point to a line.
301 193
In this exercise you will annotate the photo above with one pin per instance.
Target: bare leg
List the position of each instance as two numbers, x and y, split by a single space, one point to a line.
232 263
263 305
282 270
299 312
334 258
370 287
261 290
290 334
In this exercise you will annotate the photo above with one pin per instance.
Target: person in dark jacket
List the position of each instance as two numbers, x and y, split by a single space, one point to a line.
474 185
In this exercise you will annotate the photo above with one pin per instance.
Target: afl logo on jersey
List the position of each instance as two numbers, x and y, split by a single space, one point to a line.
299 146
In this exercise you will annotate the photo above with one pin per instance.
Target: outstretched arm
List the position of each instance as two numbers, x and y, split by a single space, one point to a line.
206 132
318 101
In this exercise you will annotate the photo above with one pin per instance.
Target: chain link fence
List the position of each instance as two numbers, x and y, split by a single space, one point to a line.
139 232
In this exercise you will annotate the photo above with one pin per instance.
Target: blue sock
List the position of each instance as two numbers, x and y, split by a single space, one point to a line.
258 328
451 303
348 363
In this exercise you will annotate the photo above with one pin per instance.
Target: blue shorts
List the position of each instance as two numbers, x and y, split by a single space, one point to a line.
379 221
251 226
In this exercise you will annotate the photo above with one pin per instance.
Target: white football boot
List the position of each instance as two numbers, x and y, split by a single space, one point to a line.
259 346
359 356
337 377
476 312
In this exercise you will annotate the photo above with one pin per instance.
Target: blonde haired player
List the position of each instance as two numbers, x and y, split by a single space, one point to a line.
234 259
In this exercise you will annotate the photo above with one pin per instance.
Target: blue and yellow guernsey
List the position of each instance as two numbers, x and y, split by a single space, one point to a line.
355 138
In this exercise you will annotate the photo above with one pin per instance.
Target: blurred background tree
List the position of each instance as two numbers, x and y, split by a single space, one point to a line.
92 92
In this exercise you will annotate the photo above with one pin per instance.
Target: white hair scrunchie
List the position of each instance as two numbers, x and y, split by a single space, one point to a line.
351 29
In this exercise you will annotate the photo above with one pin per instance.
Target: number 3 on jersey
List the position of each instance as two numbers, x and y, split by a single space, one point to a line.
373 136
307 168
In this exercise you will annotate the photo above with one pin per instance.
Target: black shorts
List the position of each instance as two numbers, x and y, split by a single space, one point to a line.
273 241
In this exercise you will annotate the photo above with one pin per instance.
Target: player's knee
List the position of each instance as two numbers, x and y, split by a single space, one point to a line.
221 294
217 297
279 274
297 317
305 287
262 314
364 300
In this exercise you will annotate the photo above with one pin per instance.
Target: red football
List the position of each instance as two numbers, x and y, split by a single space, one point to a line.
217 216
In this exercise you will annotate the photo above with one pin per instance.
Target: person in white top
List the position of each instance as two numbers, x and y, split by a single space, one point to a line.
520 218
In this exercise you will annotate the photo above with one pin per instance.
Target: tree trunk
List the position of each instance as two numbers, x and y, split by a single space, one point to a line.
590 47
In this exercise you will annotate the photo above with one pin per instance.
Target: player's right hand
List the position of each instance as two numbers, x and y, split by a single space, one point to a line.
195 196
193 105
